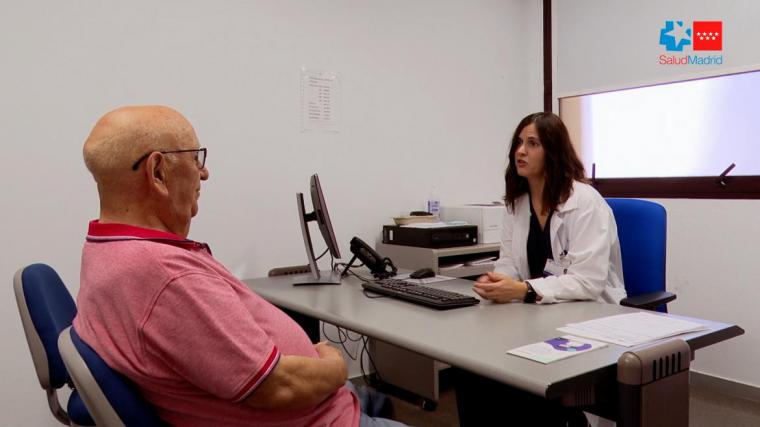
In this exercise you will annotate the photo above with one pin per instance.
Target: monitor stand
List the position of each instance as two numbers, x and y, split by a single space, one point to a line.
322 278
315 277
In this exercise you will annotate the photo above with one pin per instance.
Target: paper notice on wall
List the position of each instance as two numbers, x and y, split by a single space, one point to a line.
320 101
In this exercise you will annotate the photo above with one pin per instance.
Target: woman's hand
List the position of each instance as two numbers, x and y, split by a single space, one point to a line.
499 287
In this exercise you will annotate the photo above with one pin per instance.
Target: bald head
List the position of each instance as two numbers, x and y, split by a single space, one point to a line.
161 192
121 136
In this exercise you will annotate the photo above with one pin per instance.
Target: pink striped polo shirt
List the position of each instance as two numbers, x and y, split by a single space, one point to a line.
162 311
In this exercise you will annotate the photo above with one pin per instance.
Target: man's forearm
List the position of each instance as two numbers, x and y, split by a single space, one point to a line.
299 382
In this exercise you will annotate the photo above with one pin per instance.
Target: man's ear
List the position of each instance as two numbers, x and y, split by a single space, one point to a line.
156 169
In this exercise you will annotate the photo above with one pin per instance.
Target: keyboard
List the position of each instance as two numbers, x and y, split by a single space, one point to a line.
418 294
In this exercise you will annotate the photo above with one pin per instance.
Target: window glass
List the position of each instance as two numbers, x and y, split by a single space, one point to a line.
683 129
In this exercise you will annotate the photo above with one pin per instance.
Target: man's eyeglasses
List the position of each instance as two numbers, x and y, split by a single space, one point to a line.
200 156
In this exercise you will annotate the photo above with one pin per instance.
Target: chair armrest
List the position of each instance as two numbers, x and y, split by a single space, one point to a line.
648 301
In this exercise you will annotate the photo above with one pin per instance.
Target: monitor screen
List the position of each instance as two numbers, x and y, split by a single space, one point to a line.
322 217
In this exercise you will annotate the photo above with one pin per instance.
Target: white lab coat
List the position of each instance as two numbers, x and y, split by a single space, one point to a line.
584 229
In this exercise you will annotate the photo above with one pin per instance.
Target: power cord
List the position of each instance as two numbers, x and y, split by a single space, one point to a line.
349 270
339 265
368 379
344 337
321 255
359 276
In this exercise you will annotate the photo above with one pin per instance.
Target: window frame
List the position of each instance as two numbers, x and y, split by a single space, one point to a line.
687 187
691 187
678 187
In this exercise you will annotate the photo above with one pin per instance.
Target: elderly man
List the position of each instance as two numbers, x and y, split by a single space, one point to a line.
201 346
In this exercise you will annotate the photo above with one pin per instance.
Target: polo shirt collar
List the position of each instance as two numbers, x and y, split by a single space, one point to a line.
111 232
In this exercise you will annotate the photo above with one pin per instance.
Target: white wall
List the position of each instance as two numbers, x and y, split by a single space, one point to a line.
712 245
431 92
609 44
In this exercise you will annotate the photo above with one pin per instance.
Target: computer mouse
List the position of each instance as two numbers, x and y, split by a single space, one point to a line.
422 273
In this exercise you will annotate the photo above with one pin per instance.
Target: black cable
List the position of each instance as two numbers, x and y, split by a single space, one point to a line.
320 256
360 277
338 265
340 340
357 339
365 279
373 366
365 376
327 337
385 274
344 337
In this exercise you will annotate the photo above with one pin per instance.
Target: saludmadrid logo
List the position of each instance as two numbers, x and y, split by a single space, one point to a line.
675 36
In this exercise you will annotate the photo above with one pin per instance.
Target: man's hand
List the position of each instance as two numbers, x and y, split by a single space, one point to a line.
328 352
499 287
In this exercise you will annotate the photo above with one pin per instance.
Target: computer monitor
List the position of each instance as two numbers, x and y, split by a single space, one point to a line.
322 217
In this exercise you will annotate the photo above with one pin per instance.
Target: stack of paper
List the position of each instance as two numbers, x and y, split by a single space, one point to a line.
482 261
438 224
632 329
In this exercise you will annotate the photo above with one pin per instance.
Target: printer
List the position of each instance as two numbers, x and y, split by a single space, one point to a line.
489 218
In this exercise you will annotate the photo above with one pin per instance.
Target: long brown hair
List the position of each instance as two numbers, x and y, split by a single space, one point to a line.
561 163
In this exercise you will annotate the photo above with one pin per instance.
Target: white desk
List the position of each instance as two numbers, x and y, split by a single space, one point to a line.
474 338
403 368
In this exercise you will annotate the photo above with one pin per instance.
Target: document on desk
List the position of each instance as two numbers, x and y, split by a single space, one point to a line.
632 329
482 261
556 348
426 225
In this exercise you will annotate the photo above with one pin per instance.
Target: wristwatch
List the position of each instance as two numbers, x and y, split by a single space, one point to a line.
530 296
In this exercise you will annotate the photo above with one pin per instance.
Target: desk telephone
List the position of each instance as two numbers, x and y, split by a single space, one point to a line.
379 266
383 268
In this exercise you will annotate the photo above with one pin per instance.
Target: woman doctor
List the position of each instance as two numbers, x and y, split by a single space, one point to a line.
559 243
559 239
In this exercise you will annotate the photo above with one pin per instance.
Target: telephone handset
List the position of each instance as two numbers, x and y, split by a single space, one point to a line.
379 266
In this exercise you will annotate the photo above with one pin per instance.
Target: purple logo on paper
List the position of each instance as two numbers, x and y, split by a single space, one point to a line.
564 344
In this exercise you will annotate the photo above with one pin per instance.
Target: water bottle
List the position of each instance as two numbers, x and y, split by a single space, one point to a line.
433 203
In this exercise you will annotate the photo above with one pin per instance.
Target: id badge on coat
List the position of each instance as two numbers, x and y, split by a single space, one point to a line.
554 268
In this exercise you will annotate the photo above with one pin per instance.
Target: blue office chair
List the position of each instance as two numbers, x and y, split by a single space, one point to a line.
642 231
111 398
46 308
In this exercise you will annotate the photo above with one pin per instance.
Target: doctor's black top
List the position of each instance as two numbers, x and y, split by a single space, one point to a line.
539 244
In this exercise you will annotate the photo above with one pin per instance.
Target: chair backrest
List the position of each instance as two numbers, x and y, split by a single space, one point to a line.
46 308
111 398
642 230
